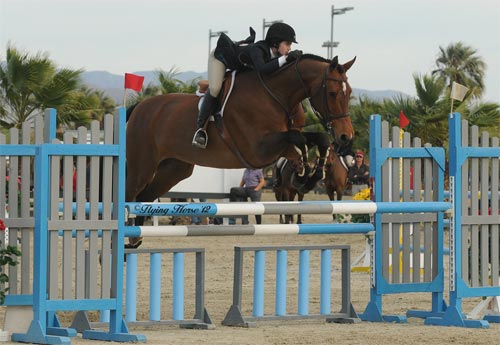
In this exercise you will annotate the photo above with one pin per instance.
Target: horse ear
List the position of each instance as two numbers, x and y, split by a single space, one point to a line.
334 63
348 65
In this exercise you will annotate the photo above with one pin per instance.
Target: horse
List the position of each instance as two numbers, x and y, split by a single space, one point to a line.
253 131
336 176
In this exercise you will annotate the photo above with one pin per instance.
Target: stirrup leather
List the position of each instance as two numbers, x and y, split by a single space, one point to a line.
200 139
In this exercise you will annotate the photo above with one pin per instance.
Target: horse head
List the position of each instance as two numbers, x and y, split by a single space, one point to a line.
329 93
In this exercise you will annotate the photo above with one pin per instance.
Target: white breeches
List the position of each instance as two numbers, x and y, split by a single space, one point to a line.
216 71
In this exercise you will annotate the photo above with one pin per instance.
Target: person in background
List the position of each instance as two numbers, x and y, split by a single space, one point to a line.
251 186
199 220
359 173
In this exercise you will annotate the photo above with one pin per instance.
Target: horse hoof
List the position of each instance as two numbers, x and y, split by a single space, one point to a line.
317 175
298 182
133 245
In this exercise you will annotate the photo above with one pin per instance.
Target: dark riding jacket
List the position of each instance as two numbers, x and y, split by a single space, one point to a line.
257 56
247 55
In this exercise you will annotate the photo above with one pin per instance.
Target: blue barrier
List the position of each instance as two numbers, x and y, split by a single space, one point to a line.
289 207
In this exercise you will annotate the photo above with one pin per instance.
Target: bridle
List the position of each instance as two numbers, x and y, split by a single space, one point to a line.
325 120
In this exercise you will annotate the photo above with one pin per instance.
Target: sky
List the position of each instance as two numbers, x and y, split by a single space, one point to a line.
391 39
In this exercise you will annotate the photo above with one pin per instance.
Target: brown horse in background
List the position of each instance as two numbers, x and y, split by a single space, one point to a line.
256 127
336 174
286 191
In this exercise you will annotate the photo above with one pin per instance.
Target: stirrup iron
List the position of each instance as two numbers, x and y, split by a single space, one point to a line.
200 134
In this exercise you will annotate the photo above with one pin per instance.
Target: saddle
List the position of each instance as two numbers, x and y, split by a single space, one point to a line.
227 87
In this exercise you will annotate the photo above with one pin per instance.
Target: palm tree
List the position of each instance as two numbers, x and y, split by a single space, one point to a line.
360 118
190 86
486 116
170 84
31 83
460 63
94 104
428 112
168 81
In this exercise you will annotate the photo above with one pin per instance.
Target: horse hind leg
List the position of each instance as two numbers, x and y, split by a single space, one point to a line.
300 198
330 190
140 171
290 197
169 173
285 196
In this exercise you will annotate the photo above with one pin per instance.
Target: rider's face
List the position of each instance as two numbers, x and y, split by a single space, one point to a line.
284 47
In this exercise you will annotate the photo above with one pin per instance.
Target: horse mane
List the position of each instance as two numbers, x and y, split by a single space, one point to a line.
315 57
339 67
130 110
302 57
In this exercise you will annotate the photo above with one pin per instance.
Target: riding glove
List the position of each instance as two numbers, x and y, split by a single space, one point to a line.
293 55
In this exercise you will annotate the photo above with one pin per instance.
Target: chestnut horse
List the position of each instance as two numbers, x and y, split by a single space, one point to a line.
255 129
336 174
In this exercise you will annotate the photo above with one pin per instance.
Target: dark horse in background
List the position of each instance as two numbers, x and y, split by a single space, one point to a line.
256 127
336 174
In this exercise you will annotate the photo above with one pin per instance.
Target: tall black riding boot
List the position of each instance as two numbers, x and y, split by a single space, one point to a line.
200 138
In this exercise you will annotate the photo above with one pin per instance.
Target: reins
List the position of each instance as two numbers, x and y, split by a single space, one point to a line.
325 120
288 113
270 92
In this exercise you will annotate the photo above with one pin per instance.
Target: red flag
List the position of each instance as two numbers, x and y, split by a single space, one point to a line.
133 82
403 120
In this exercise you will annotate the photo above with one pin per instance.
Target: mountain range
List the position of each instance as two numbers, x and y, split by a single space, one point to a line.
112 84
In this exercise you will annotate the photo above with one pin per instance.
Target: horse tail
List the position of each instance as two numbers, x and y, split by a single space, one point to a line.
130 110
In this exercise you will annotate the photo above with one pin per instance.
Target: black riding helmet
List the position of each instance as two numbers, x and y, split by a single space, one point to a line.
279 32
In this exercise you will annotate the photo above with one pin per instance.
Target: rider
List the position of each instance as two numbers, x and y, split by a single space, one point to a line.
265 56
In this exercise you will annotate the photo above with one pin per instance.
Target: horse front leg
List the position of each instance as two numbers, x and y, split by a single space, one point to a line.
320 140
320 164
318 170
